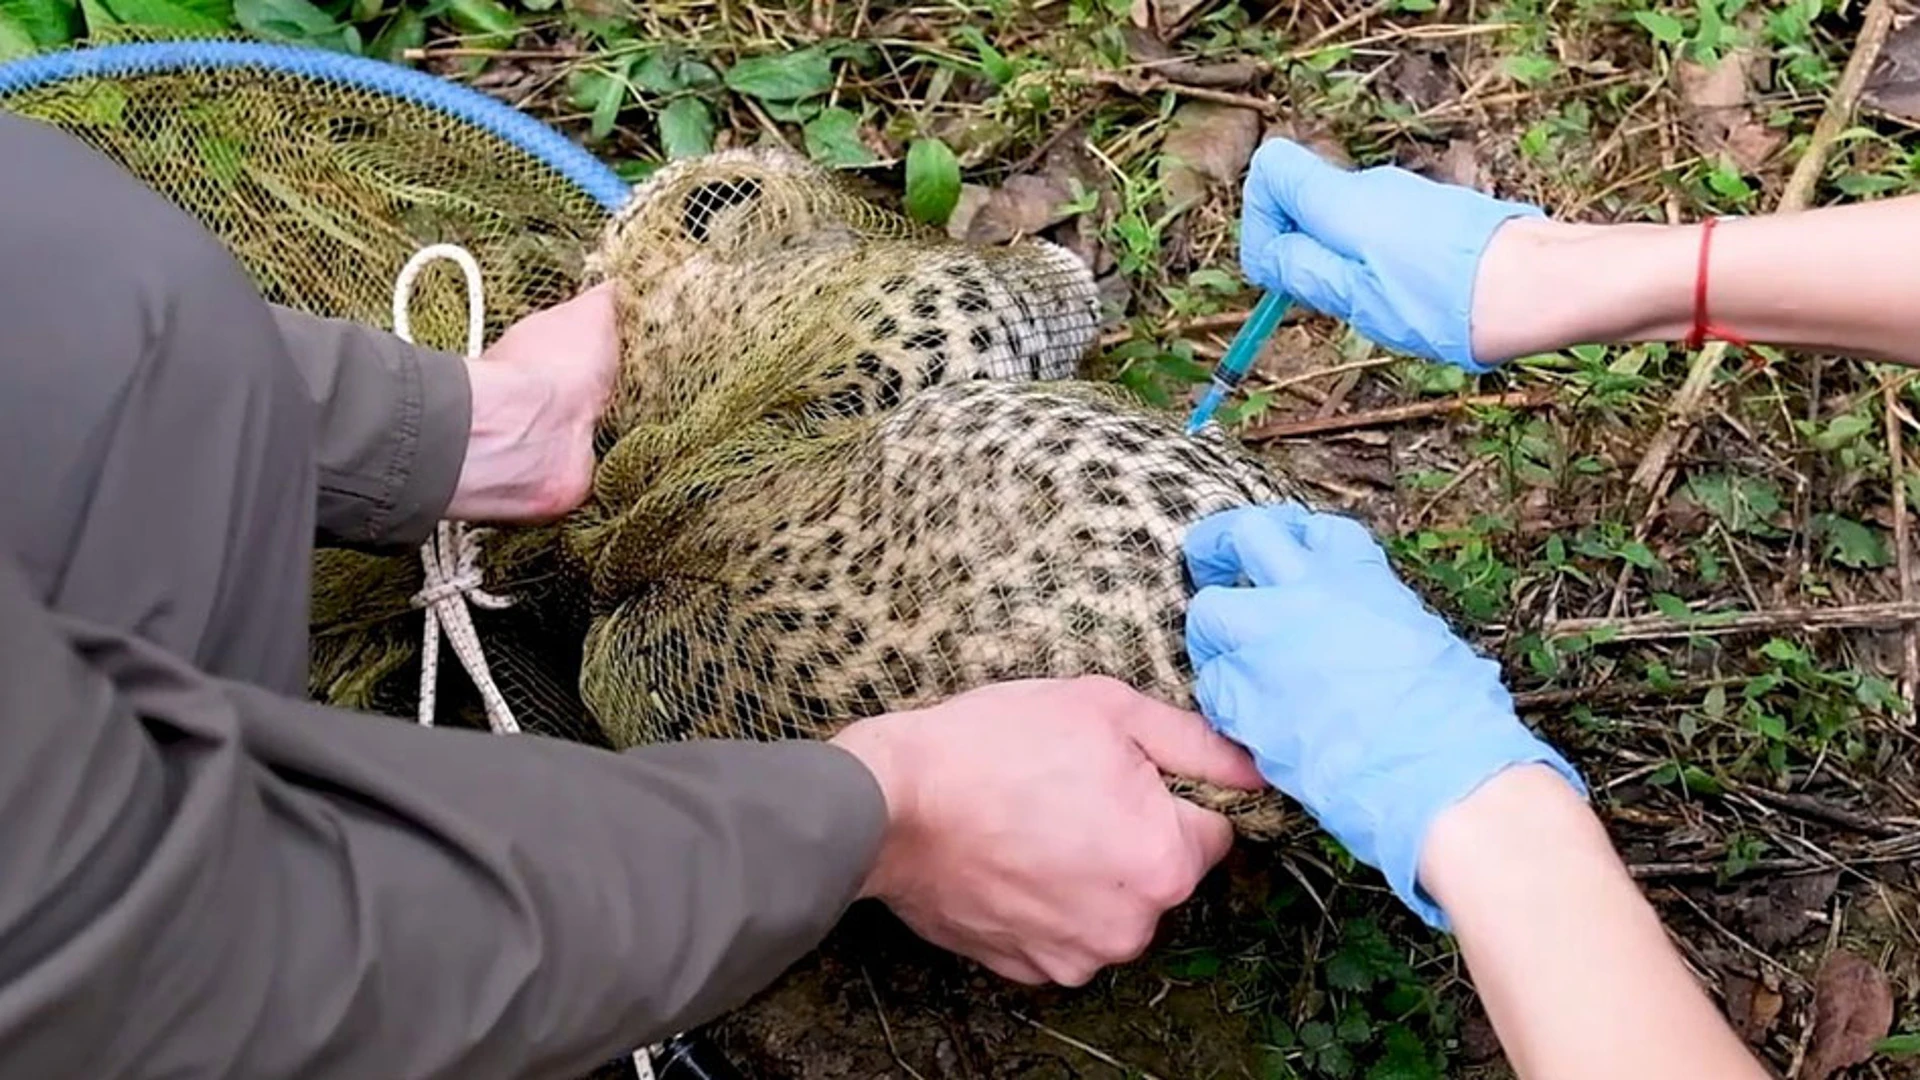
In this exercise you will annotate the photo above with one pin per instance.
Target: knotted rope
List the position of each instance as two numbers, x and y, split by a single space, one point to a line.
451 557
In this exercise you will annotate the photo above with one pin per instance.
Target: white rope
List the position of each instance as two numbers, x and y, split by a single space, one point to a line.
451 557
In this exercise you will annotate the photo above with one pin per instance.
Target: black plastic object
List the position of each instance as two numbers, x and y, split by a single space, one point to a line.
692 1057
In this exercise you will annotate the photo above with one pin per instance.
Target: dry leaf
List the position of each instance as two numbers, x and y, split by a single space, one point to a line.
1317 139
1753 1007
1168 14
1779 911
1852 1010
1022 206
1209 144
1715 100
1894 86
1423 80
1461 165
973 199
1156 58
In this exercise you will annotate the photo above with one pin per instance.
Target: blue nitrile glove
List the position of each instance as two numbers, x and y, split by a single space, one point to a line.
1391 253
1353 697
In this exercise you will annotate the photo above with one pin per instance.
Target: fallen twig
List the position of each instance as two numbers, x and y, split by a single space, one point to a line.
1419 410
1819 810
1896 475
1092 1051
1686 405
1649 627
1142 85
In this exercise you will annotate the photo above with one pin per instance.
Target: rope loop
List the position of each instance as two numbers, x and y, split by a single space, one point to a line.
451 557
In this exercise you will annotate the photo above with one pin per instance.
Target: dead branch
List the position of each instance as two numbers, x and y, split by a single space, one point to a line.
1419 410
1651 627
1142 85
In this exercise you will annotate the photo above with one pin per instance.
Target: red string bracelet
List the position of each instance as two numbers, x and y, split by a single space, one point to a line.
1703 329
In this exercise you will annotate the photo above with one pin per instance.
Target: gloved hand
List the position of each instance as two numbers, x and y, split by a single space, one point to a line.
1391 253
1353 697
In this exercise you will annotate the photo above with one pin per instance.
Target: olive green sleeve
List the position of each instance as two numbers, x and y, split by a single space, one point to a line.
392 431
204 879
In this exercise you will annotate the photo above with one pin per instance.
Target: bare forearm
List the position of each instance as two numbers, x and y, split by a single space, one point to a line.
1844 279
1571 962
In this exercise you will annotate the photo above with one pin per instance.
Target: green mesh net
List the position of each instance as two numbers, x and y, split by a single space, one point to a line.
848 468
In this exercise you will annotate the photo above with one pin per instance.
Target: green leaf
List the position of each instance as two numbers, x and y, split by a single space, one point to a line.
1354 1027
993 63
933 181
686 128
793 112
782 76
1317 1035
42 23
1531 70
1842 430
670 71
1850 543
192 16
488 21
609 95
1335 1061
1898 1045
1665 29
1639 554
296 21
406 30
14 39
1672 606
833 139
1744 504
1556 551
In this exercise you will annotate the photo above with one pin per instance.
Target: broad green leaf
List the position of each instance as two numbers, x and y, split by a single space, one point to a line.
1639 554
1842 430
686 128
782 76
43 23
1316 1035
14 39
406 30
296 21
1672 606
993 63
1850 543
793 112
833 138
487 22
933 181
670 71
1532 70
192 16
1354 1027
1665 29
608 97
1743 504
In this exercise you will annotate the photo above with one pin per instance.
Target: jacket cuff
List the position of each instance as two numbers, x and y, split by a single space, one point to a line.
394 424
445 410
